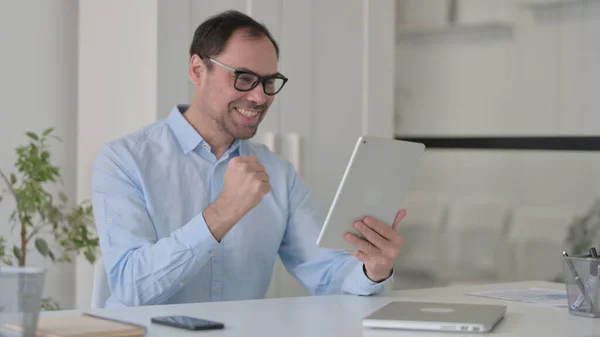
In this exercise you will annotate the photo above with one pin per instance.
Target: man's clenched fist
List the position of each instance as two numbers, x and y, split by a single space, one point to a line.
246 183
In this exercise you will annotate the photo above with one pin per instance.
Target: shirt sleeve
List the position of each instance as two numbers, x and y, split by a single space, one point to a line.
141 268
321 271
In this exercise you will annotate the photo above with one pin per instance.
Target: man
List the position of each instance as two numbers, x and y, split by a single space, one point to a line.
189 210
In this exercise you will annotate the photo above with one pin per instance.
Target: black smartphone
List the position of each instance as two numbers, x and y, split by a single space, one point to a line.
188 323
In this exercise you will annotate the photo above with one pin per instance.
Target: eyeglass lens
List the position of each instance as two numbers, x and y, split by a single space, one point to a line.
247 81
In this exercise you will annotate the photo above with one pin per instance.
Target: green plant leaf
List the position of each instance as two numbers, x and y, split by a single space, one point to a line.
42 246
13 178
63 197
32 135
48 131
51 256
2 249
48 304
17 253
90 256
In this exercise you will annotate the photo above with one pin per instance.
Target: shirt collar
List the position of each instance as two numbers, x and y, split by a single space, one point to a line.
186 135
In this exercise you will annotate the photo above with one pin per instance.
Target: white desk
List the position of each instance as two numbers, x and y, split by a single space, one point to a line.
341 315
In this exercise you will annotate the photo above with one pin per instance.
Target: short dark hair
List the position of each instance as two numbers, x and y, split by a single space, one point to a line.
212 35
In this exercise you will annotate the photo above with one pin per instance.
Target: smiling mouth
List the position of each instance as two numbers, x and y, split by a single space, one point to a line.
247 113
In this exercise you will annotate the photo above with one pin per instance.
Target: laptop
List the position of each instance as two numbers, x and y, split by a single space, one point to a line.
435 316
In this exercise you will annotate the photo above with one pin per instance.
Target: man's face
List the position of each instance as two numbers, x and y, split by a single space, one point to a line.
237 113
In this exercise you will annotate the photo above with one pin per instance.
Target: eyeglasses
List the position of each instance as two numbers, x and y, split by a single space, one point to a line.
246 80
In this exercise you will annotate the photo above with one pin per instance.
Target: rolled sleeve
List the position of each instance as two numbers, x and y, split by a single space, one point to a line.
198 237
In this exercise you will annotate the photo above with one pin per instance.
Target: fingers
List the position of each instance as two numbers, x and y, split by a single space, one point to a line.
361 256
264 188
362 245
255 167
373 237
399 216
379 227
247 164
389 233
379 248
379 238
262 176
251 164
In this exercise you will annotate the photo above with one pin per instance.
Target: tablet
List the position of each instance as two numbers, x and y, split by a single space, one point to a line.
375 182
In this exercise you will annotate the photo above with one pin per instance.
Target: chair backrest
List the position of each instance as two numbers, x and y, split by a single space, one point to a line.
476 229
540 224
101 291
425 210
537 236
421 228
490 214
417 265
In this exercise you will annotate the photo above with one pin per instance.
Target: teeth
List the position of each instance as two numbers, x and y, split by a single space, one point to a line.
247 113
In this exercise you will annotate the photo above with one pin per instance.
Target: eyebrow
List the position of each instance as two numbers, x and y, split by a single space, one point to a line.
254 72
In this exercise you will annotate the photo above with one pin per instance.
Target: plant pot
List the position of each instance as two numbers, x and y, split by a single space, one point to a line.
20 296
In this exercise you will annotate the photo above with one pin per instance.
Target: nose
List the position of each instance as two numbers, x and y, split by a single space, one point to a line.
257 95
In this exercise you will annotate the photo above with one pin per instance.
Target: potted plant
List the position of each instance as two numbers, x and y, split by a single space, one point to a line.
40 214
584 230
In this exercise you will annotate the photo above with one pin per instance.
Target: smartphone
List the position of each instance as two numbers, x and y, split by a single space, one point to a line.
188 323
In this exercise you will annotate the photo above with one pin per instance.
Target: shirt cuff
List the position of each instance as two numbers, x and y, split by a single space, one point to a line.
367 286
198 237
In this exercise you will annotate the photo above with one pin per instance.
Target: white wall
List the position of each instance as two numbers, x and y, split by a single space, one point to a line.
174 37
117 88
38 89
536 77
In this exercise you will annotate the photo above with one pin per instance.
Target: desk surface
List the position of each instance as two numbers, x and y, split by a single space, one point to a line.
341 315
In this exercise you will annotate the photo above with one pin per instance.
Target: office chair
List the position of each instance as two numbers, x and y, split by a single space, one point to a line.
421 229
476 228
537 239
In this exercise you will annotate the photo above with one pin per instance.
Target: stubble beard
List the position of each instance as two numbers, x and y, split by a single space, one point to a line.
236 130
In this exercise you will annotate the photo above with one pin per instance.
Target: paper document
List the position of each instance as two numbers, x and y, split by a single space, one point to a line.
546 297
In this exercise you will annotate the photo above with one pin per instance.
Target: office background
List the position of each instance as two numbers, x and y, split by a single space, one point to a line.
97 70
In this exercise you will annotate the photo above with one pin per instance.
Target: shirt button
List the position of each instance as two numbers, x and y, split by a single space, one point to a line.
109 220
211 253
217 291
205 146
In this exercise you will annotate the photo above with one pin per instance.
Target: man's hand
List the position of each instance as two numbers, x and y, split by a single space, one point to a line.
246 183
379 248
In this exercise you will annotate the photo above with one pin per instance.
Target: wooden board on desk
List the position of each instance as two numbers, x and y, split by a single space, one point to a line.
83 326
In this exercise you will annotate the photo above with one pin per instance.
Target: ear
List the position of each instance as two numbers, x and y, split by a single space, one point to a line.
197 68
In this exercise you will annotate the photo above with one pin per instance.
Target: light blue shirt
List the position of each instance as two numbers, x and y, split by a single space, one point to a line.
149 191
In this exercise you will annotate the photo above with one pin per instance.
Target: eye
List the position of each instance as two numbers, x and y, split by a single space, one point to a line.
246 78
